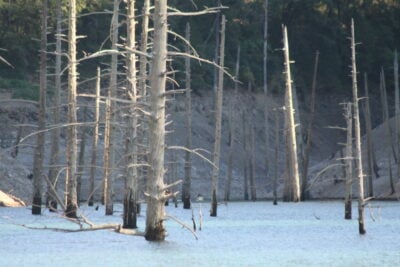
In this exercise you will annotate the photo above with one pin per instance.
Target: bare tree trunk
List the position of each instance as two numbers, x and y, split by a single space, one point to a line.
370 147
292 146
155 185
232 132
81 157
265 77
275 181
39 149
71 197
188 105
217 47
397 107
218 123
252 161
245 154
95 140
359 168
131 182
385 113
305 193
108 176
348 162
55 134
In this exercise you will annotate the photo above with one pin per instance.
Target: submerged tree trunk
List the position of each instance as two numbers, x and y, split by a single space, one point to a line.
51 202
359 168
71 197
348 162
155 188
218 123
39 150
186 187
292 146
305 193
95 140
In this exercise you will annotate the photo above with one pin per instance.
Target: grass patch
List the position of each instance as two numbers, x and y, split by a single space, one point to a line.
20 89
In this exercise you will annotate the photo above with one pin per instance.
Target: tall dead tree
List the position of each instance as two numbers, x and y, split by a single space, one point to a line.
95 139
305 194
218 122
55 134
131 176
391 151
265 85
109 153
155 187
291 128
232 132
357 134
71 150
372 166
186 186
39 149
349 158
217 46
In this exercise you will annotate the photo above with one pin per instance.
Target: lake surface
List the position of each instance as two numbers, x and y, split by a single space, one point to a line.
243 234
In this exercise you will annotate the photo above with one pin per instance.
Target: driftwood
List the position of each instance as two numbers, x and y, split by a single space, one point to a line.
8 200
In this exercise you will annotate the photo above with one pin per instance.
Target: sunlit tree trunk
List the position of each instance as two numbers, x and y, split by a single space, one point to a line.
71 151
305 194
55 134
131 185
95 140
291 145
348 162
188 104
39 149
155 188
109 158
218 123
359 168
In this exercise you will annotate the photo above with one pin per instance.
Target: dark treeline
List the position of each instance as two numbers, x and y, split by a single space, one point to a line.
312 25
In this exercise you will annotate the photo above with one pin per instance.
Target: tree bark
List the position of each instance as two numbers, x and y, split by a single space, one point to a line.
131 182
292 146
186 187
39 150
108 176
155 214
218 123
305 193
359 168
55 134
71 196
348 162
95 140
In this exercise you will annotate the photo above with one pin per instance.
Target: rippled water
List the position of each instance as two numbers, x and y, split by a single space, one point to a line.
243 234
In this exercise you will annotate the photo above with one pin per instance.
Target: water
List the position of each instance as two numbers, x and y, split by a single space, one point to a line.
243 234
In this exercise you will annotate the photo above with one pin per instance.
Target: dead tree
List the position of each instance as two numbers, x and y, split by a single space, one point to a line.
81 157
95 139
385 114
217 46
265 85
55 134
291 127
155 188
252 162
348 162
397 107
39 149
71 196
186 186
131 174
275 181
357 133
232 132
218 123
372 166
245 154
109 153
305 194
